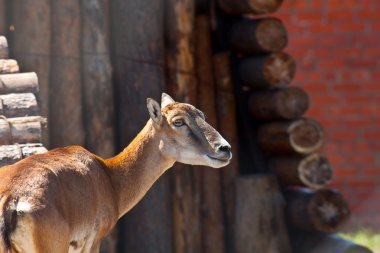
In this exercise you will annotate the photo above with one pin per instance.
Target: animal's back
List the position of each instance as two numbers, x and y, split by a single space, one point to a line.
65 189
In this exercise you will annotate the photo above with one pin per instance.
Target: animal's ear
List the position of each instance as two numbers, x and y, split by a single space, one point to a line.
165 100
154 111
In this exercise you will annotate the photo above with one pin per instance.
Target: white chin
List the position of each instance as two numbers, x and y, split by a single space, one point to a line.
216 163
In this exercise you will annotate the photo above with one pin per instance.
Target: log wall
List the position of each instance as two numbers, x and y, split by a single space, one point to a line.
97 61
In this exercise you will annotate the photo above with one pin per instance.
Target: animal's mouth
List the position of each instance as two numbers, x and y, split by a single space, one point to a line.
220 159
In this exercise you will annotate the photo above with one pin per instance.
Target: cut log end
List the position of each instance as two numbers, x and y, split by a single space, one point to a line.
306 136
266 35
302 136
292 102
250 6
279 69
328 211
3 48
315 171
271 71
8 66
271 35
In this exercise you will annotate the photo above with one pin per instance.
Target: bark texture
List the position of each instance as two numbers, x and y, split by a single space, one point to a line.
65 76
323 210
138 60
260 225
257 36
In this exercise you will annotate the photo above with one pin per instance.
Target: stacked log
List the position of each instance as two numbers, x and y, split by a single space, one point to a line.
251 36
313 171
3 48
249 6
323 210
314 242
19 83
288 142
257 218
8 66
10 154
21 127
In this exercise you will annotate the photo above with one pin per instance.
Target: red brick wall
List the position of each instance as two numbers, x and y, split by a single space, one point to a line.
336 44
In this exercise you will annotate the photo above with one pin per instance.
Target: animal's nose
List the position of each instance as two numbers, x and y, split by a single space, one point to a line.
224 148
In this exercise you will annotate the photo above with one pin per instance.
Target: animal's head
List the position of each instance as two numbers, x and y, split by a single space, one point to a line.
185 135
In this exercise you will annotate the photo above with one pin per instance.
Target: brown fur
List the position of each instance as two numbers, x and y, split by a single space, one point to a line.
69 198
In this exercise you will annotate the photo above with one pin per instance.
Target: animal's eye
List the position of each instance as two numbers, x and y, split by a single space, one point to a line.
178 122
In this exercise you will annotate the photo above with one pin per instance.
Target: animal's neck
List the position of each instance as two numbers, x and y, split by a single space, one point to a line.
136 168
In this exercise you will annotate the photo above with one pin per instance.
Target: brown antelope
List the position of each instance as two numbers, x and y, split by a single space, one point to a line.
68 199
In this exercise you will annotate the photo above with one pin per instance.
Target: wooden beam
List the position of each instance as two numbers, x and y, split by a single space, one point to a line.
268 71
260 224
322 210
98 99
138 60
249 6
182 85
3 22
211 190
65 76
313 171
309 242
257 36
10 154
97 89
19 83
31 46
301 136
226 108
21 130
278 104
18 105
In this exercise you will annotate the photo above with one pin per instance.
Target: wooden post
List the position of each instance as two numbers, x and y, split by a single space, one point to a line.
211 192
226 108
309 242
138 59
3 48
10 154
65 122
287 103
312 171
97 90
21 130
249 6
322 210
31 46
96 78
182 85
8 67
260 225
302 136
19 83
18 105
268 71
2 17
256 36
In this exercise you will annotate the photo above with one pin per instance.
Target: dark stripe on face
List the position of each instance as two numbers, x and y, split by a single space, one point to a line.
195 136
